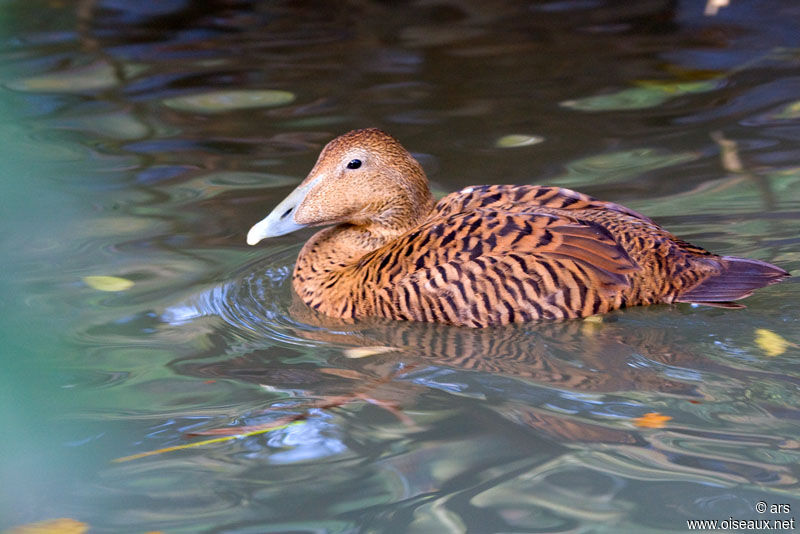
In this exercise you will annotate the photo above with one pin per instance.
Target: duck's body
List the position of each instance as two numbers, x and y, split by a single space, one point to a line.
486 255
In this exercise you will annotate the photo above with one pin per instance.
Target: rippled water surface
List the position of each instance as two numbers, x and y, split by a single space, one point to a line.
140 141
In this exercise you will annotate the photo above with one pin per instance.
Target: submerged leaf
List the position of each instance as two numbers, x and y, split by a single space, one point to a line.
221 101
771 343
108 283
647 95
93 77
619 166
63 525
679 88
123 126
790 111
631 98
652 420
518 140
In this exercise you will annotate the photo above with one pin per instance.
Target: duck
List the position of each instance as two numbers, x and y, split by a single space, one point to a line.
487 255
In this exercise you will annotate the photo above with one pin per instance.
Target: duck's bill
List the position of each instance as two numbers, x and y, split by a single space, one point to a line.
270 227
281 220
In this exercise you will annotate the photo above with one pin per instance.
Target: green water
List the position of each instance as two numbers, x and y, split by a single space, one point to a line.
112 167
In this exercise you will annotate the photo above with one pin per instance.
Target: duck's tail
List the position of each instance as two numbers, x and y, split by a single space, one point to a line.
738 279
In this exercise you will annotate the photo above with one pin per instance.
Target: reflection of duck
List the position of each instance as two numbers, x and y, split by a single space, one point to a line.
486 255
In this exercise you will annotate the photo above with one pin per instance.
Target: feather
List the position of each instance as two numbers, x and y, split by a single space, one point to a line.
486 255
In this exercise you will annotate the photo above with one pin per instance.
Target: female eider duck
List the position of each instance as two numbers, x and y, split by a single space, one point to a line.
485 255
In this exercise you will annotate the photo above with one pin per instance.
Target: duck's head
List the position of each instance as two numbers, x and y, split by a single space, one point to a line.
364 178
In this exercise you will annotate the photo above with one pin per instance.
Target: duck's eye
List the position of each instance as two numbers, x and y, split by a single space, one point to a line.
354 164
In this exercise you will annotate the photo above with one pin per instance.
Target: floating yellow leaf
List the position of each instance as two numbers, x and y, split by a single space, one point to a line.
771 343
108 283
518 140
591 325
220 101
63 525
652 420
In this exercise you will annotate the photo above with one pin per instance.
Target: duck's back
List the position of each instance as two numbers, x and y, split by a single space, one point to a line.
491 255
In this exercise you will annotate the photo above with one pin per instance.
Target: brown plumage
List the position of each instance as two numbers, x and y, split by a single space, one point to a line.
485 255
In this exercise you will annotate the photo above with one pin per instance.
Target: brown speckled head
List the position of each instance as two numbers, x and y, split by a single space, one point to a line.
364 177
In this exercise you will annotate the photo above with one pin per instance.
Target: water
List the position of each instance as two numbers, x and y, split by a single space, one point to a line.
113 167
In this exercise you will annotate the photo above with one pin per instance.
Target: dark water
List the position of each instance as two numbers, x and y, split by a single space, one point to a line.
111 169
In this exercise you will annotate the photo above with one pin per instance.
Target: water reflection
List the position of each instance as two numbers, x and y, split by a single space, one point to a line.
571 382
405 427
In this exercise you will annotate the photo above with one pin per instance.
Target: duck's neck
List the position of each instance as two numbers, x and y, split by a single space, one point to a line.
325 275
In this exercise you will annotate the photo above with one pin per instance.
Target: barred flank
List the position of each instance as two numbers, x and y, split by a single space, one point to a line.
509 254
